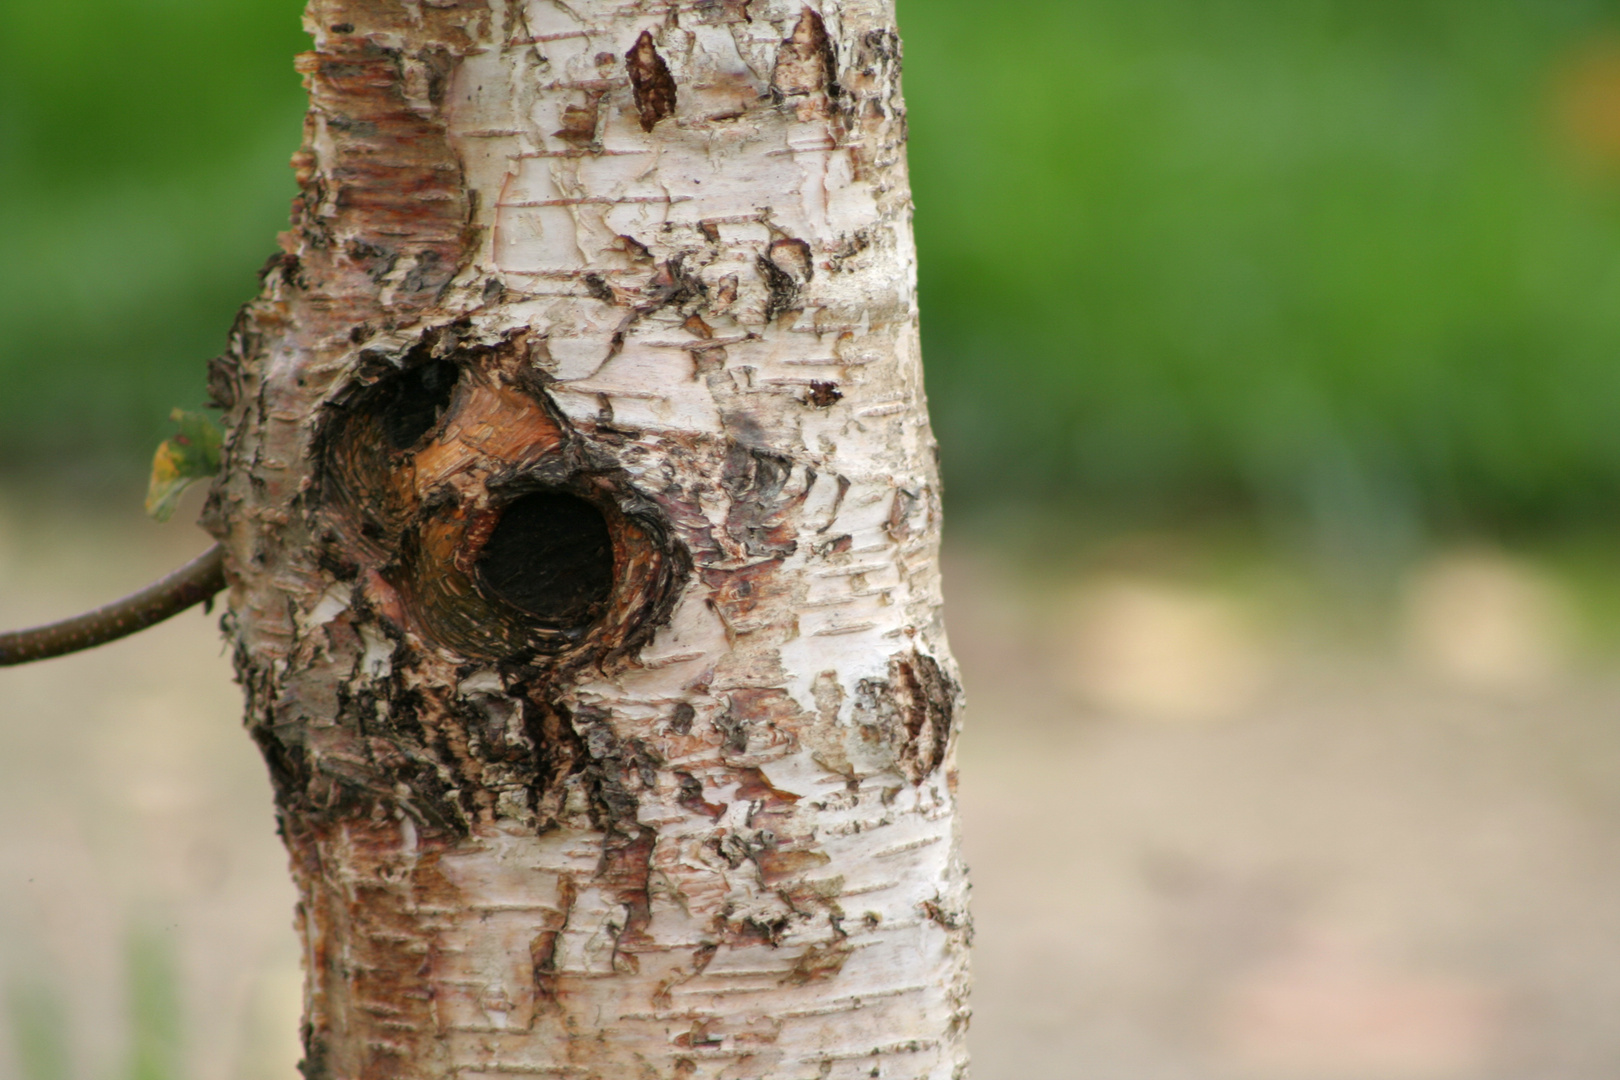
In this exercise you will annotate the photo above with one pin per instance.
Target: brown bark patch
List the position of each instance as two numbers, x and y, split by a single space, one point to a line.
543 962
737 594
699 1036
776 867
579 121
818 962
725 11
911 711
383 208
369 918
765 716
824 395
899 525
806 63
691 797
951 919
754 786
651 81
559 753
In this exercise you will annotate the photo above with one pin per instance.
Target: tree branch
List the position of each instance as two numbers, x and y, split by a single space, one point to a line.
193 583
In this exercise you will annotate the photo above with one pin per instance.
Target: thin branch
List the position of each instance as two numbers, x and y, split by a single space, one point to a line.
193 583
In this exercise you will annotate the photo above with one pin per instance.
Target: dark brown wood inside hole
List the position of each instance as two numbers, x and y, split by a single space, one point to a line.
410 403
551 555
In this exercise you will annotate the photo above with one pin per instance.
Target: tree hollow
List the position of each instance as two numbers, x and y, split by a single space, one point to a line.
551 555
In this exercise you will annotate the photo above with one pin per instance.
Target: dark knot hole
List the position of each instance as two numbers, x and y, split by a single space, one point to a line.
551 555
413 401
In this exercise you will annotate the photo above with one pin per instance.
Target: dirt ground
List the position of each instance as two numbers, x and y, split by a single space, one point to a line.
1210 838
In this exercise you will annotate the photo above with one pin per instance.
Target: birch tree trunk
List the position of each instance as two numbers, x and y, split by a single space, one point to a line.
581 517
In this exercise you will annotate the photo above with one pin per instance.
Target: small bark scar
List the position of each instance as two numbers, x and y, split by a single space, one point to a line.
912 713
806 64
650 78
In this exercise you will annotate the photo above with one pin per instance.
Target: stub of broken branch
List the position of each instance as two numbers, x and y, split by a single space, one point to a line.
196 581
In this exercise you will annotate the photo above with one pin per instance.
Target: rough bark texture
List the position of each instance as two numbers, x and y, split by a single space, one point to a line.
581 520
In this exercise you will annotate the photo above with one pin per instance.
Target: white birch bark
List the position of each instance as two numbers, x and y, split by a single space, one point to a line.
655 259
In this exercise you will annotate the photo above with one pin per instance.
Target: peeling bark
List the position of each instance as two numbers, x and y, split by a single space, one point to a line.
581 520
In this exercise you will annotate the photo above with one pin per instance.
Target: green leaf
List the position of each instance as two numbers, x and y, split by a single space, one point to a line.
191 455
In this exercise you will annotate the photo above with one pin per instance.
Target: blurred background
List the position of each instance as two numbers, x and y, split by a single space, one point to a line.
1274 350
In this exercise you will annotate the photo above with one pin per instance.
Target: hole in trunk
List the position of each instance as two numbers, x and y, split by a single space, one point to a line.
413 401
551 556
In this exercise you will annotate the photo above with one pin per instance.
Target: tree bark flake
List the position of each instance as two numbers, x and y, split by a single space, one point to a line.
650 78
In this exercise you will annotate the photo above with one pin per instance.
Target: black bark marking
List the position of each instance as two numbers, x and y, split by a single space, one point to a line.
616 771
883 44
316 1064
792 257
287 761
552 557
733 730
782 290
752 930
225 370
786 268
673 285
596 285
559 753
849 247
650 79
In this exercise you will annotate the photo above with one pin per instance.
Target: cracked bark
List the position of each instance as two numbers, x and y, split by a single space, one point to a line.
581 518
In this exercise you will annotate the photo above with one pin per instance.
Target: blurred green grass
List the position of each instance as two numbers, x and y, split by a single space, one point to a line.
41 1032
1331 263
143 177
1313 260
